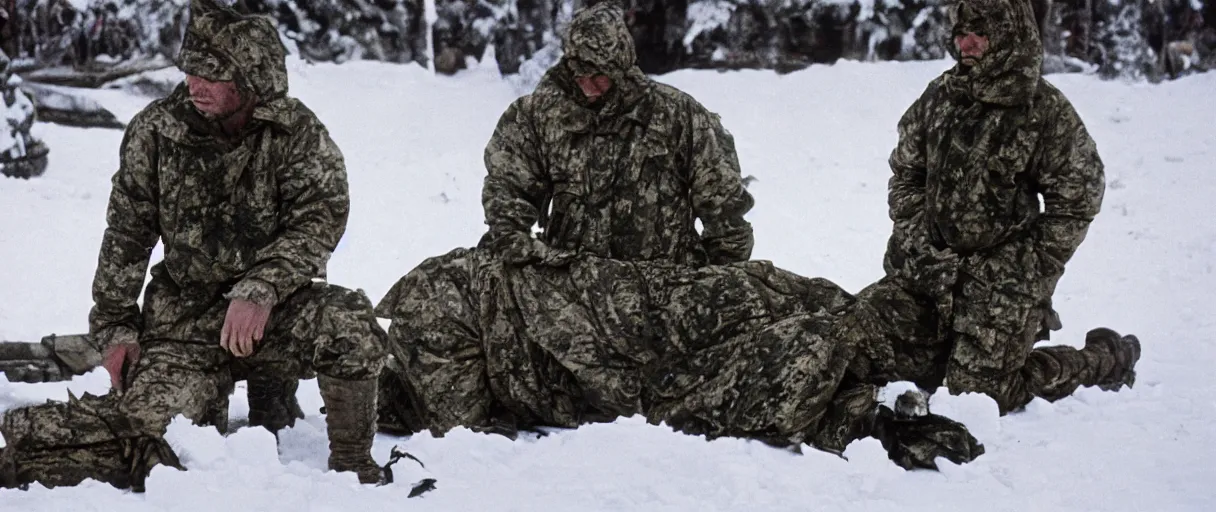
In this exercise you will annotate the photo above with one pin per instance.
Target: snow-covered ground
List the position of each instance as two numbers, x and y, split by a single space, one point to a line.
817 142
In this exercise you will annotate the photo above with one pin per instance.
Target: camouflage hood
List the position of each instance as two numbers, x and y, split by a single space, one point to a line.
222 44
1008 73
598 42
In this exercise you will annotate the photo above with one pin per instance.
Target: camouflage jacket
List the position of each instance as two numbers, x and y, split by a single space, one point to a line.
254 216
976 152
627 179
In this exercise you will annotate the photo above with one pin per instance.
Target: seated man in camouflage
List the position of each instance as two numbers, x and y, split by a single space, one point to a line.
974 257
248 193
608 163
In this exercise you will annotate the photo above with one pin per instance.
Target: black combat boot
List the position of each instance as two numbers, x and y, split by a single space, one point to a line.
1114 357
350 407
272 403
914 437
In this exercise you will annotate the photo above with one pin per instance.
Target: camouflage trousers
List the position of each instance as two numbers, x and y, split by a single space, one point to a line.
976 340
118 437
746 350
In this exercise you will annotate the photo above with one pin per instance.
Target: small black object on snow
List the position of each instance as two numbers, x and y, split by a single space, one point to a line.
420 488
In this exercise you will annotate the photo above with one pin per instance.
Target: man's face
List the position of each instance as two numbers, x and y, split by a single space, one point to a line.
594 86
215 99
590 80
971 47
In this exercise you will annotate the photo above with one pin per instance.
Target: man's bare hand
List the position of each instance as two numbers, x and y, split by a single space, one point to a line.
117 358
243 327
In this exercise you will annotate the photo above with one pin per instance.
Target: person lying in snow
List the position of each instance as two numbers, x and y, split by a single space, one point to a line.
249 195
743 349
974 257
735 349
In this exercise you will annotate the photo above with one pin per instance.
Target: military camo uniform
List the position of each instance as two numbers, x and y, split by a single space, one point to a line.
975 256
626 177
521 333
253 216
743 349
619 308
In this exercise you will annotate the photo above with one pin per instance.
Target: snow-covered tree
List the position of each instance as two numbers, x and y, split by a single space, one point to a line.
1121 39
21 154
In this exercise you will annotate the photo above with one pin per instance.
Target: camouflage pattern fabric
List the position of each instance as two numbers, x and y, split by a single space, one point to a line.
124 461
251 216
322 328
221 44
480 343
437 375
1002 362
614 310
709 348
347 342
625 177
974 257
744 349
256 215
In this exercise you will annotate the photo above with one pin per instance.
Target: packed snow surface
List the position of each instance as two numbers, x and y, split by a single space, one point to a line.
817 142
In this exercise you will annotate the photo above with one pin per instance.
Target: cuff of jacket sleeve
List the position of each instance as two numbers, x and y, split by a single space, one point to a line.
119 335
254 290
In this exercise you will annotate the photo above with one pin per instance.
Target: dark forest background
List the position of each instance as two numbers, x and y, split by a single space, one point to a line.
90 42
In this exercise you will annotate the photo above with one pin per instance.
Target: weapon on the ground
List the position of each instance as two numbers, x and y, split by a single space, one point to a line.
55 358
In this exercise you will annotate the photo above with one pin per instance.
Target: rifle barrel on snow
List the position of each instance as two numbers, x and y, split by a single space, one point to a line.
56 358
